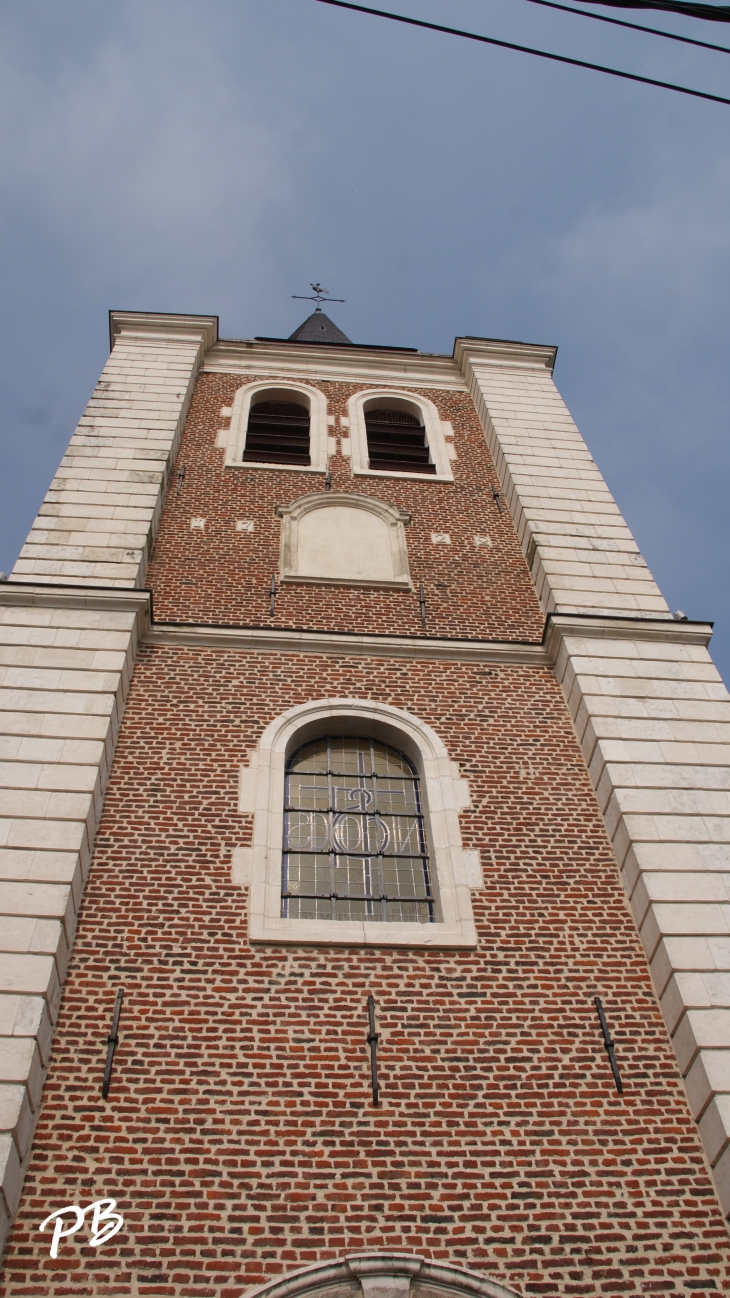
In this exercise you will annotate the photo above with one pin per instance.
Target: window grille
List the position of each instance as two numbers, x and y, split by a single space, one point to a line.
397 441
278 433
354 835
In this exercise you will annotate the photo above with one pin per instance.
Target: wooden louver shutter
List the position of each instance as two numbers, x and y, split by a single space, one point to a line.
278 433
397 441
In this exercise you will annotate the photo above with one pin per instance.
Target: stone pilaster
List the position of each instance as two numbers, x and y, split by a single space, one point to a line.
66 660
649 707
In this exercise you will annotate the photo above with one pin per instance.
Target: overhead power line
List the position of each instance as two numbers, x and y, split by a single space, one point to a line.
635 27
713 13
525 49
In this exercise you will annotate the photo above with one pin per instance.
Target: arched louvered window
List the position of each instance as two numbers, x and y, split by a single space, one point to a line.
278 433
397 441
354 835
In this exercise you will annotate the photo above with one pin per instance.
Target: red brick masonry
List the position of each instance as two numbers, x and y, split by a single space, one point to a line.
223 576
239 1137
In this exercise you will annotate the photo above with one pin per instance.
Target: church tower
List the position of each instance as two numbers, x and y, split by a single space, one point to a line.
364 844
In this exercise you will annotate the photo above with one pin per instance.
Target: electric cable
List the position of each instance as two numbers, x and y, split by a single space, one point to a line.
524 49
712 13
634 27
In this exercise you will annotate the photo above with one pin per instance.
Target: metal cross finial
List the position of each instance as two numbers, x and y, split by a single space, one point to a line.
320 294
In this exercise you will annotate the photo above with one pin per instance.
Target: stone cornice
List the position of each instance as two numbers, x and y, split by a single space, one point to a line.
497 351
271 640
37 595
20 595
156 325
590 626
345 646
338 364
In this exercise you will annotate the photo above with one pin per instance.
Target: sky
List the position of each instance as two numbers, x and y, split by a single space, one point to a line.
168 155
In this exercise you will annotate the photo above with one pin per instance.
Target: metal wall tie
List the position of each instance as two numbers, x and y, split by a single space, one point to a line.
610 1048
372 1039
112 1043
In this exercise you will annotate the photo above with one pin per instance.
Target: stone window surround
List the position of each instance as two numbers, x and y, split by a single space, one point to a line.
261 794
413 403
395 519
233 439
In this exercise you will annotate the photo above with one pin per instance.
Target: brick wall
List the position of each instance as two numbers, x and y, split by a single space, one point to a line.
219 575
239 1138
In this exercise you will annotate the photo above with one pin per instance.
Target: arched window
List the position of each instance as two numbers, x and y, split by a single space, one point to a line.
398 433
397 441
354 835
283 426
277 433
359 802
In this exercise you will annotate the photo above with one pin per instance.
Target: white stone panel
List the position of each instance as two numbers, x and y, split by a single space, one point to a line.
333 537
721 1173
10 1174
699 1029
346 544
715 1127
16 1117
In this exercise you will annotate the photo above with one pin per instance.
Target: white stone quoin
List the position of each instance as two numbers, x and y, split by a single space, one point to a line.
650 710
66 659
100 515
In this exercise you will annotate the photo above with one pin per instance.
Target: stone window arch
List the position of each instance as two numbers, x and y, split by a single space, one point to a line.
336 537
412 404
233 439
262 794
383 1275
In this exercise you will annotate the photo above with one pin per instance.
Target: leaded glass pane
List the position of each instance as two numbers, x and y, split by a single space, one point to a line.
354 838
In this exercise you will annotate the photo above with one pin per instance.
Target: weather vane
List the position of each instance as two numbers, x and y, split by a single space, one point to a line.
320 295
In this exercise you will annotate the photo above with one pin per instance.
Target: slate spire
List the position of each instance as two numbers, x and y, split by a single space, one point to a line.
318 328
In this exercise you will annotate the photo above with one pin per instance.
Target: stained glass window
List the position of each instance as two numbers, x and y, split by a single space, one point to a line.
354 835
